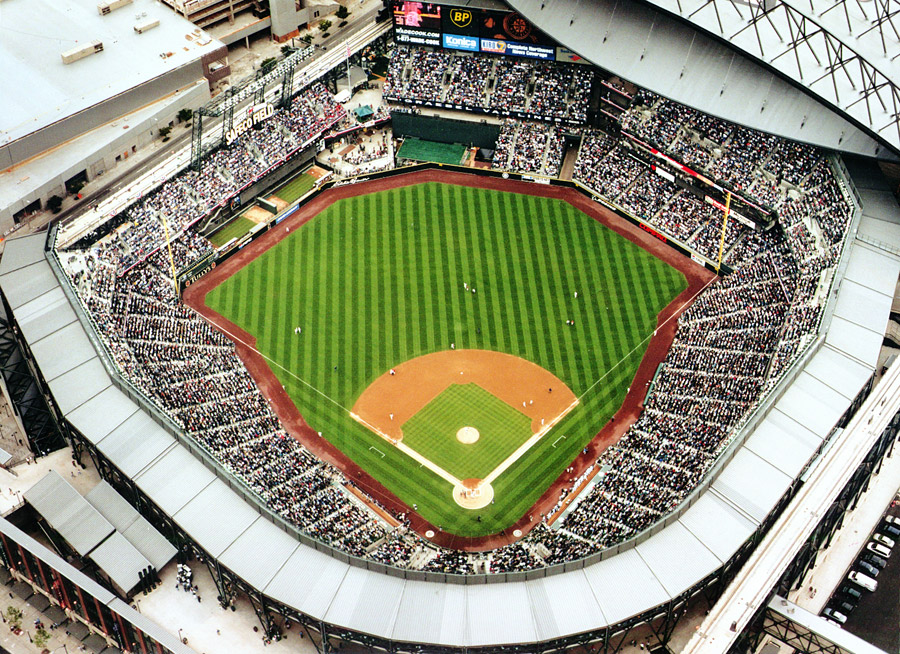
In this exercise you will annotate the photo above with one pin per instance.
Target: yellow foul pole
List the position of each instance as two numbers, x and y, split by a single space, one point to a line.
171 257
724 225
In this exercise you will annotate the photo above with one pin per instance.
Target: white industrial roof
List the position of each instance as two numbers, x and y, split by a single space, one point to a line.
618 587
34 33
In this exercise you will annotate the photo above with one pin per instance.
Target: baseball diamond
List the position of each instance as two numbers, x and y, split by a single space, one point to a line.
373 282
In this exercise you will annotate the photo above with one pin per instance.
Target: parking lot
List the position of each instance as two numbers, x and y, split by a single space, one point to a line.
877 615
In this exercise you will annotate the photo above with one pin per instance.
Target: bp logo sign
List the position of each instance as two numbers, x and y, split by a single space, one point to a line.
460 17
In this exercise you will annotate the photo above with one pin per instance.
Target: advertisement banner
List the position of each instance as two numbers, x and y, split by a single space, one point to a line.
461 42
567 56
472 30
513 49
416 37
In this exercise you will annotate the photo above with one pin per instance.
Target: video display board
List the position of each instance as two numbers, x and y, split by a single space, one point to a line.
417 23
473 30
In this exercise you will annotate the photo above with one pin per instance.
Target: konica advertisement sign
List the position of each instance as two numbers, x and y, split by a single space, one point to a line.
497 46
460 42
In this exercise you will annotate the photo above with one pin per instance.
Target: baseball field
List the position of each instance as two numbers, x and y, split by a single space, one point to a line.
460 345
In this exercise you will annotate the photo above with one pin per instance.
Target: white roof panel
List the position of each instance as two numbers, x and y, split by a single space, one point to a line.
847 376
120 560
102 413
258 553
216 516
174 479
79 385
717 525
44 315
552 617
624 586
858 342
807 402
787 450
134 444
366 602
862 305
431 612
874 269
499 614
677 543
752 484
24 284
308 581
149 542
71 341
22 251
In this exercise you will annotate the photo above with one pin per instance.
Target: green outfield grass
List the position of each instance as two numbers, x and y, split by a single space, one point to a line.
296 188
235 229
376 280
432 431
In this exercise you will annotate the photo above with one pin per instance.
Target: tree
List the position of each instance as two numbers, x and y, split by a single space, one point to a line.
307 38
324 26
164 132
268 64
185 115
14 615
41 637
342 12
76 186
54 204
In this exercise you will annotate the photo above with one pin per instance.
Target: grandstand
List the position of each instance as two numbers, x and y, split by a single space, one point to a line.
765 364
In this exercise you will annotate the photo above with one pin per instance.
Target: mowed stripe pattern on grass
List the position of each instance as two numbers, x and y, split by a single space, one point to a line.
432 431
378 279
296 188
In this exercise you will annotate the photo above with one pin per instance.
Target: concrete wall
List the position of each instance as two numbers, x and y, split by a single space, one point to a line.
286 18
102 157
101 113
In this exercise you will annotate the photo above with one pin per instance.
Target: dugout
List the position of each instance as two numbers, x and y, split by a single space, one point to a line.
445 130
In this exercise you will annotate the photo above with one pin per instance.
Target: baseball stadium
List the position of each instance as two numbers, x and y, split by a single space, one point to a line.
531 343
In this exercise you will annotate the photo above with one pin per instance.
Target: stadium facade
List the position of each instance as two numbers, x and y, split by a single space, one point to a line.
104 87
179 487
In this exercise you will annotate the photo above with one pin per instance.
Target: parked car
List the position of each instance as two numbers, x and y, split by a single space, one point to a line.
869 569
850 593
842 605
837 616
884 540
891 530
874 559
892 520
863 581
879 549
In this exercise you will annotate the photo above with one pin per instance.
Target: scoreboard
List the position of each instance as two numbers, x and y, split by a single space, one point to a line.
474 30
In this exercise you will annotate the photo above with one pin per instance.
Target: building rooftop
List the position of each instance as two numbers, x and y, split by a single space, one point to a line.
34 34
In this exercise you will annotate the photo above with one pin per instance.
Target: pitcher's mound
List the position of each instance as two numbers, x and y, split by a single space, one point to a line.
467 435
473 494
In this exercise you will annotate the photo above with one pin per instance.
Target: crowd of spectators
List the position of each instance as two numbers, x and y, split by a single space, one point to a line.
542 90
529 148
732 344
139 231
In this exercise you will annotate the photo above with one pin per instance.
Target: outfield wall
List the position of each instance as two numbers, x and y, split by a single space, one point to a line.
445 130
